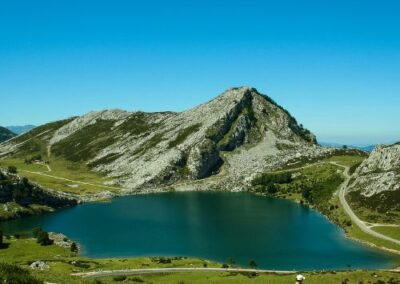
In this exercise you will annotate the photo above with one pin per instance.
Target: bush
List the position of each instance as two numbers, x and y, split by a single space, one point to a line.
120 278
74 247
12 170
278 178
137 279
42 237
13 274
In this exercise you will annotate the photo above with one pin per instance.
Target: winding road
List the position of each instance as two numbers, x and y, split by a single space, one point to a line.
361 224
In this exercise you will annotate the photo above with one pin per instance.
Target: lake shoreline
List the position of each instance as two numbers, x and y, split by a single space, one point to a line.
205 254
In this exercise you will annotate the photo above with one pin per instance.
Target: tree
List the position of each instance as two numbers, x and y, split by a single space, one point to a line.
253 263
74 247
231 260
12 170
345 147
306 193
271 188
1 238
42 237
35 231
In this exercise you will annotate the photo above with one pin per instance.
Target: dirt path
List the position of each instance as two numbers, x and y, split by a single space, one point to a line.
72 181
172 270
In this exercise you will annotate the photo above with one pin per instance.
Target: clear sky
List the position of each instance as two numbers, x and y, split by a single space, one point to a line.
335 65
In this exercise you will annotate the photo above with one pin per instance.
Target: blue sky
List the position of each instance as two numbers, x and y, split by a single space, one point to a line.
335 65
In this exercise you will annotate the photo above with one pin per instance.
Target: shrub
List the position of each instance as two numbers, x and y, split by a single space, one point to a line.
42 237
137 279
13 274
120 278
74 247
12 170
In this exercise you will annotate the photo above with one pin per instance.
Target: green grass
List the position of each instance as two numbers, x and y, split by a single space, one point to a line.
60 168
242 278
393 232
347 160
62 263
383 207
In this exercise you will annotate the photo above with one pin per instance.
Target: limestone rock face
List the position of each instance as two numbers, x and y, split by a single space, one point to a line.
379 173
237 134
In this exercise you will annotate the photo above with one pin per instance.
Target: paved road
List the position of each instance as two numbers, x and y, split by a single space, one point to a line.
172 270
361 224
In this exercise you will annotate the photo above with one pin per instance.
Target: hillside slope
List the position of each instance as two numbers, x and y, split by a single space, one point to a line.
5 134
19 197
237 134
375 186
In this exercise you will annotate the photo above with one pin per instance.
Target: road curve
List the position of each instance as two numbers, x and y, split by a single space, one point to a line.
361 224
103 273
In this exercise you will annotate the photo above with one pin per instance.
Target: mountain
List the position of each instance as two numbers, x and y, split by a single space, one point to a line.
375 185
5 134
20 129
235 136
368 148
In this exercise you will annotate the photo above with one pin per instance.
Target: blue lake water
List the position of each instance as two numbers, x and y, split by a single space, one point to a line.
277 234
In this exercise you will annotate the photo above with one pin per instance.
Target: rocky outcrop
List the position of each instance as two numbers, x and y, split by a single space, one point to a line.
375 185
236 134
379 173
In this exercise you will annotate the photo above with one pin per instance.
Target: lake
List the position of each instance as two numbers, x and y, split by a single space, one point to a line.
277 234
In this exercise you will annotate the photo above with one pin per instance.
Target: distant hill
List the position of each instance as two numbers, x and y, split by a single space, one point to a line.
5 134
20 129
368 148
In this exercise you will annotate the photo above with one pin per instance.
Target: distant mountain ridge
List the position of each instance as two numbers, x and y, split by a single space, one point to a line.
236 135
368 148
5 134
20 129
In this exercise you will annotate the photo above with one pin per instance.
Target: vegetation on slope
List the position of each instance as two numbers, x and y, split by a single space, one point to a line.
62 263
64 176
5 134
14 274
19 197
381 207
390 231
315 185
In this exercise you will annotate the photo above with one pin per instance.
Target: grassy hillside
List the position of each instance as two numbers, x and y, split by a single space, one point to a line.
19 197
5 134
66 176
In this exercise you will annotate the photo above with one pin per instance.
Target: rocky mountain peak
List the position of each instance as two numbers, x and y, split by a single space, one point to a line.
240 128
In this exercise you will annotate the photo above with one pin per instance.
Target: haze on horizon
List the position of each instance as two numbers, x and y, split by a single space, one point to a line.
339 78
